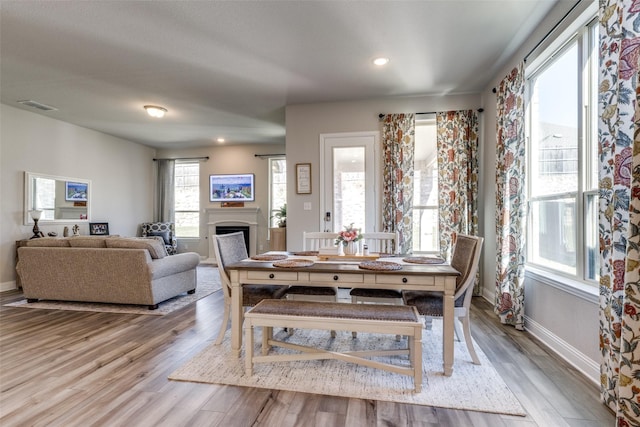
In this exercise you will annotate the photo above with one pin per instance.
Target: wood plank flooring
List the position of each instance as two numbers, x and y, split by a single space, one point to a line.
64 368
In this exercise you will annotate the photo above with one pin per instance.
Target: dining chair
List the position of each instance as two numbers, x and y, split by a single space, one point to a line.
465 259
228 249
314 240
378 243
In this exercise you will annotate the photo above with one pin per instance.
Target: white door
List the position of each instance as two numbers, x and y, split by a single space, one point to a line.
348 181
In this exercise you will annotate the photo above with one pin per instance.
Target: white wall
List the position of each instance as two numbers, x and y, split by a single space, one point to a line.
121 174
228 160
566 322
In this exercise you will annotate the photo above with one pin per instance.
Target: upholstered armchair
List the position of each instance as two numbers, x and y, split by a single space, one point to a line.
166 230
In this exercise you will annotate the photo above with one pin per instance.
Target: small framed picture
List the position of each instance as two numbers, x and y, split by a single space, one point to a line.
303 178
99 228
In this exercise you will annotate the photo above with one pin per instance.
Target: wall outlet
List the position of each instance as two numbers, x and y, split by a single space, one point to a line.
260 247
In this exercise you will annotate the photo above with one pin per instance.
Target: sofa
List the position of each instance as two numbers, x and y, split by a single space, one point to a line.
104 269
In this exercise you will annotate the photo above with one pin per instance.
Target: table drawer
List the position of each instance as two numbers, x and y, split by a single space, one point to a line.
336 277
272 275
405 280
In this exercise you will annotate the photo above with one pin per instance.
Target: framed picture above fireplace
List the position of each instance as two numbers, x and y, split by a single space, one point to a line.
232 188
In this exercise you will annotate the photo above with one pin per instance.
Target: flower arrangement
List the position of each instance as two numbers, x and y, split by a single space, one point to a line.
349 234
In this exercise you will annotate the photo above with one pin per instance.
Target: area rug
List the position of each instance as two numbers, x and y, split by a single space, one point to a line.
470 387
208 283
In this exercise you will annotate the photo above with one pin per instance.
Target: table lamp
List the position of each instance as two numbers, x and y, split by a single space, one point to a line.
36 214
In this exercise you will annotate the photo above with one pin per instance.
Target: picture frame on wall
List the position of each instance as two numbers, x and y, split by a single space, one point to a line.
232 188
303 178
99 228
76 191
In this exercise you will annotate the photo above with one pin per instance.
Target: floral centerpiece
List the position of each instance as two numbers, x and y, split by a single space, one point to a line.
348 237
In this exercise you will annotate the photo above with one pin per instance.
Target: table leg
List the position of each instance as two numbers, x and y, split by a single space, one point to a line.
447 325
236 313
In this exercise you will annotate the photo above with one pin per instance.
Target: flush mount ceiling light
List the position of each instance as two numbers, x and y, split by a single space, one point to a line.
220 139
155 111
381 61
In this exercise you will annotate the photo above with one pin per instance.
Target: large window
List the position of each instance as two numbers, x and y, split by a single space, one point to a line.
425 191
562 154
187 199
277 187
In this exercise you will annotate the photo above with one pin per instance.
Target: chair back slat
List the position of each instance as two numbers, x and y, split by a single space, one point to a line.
382 242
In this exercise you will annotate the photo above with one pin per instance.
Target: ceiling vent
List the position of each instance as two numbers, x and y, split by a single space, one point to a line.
38 105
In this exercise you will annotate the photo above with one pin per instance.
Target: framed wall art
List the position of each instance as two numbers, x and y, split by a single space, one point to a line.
303 178
99 228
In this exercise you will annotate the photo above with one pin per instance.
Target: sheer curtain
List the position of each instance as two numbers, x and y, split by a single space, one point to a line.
165 191
457 145
619 218
398 143
510 201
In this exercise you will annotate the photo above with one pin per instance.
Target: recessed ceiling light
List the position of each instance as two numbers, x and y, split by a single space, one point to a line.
381 61
155 111
220 139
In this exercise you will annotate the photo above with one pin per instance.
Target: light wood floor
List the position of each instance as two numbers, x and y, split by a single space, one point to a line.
79 369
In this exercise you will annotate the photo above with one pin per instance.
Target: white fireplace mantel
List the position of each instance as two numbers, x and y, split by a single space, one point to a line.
233 216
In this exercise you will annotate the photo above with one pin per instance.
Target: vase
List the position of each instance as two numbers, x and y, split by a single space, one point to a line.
351 248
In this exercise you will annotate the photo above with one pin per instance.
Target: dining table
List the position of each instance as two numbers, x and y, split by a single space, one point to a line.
345 274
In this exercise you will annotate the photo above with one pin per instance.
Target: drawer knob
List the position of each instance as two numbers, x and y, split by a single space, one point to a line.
404 280
335 277
271 276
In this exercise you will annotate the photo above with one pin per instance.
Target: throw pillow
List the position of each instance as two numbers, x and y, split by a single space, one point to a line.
163 234
87 242
154 246
45 242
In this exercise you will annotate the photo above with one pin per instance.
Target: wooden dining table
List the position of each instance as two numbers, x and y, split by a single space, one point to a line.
426 277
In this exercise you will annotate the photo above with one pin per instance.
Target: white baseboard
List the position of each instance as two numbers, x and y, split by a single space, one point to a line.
8 286
577 359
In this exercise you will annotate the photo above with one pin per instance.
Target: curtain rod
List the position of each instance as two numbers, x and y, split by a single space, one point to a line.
480 110
186 158
546 36
269 155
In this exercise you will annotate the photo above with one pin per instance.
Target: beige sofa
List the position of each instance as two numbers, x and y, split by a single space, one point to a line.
104 269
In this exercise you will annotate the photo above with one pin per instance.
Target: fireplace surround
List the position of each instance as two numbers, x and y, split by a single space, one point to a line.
233 217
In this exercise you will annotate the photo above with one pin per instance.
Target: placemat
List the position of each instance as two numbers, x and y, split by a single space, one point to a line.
267 257
380 265
423 260
292 263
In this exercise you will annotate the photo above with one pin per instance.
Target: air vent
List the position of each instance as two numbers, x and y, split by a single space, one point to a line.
38 105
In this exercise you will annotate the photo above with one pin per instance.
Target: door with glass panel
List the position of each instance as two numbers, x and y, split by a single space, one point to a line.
348 181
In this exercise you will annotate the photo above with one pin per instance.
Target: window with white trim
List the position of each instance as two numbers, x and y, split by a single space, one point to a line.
187 199
562 158
425 190
277 187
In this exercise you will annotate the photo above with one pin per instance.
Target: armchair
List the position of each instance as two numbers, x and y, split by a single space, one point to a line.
166 230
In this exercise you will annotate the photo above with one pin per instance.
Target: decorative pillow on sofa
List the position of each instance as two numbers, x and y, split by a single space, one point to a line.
163 234
87 242
45 242
154 246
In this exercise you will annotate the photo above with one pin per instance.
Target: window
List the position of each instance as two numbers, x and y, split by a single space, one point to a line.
277 187
562 159
187 199
425 190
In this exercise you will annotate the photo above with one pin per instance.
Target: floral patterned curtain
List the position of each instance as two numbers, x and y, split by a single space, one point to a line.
457 140
619 218
510 199
398 143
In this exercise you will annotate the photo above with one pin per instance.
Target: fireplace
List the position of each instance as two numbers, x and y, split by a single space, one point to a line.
238 219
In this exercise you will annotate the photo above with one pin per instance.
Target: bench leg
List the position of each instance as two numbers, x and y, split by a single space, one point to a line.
416 354
267 334
248 357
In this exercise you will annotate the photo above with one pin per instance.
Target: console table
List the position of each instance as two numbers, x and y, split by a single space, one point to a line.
438 278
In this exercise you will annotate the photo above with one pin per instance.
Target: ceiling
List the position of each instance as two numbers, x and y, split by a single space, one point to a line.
228 68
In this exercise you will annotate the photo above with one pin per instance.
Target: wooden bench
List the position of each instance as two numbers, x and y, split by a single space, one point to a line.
382 319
